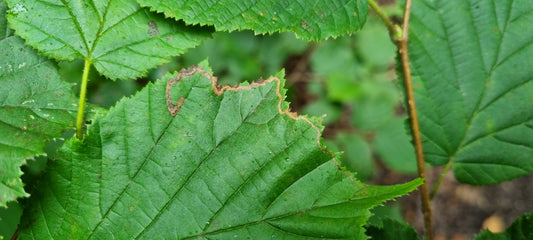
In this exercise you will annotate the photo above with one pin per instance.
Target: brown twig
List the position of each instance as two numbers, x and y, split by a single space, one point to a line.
15 235
401 43
415 127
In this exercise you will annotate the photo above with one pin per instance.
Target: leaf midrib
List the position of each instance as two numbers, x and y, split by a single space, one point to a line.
185 183
463 143
266 220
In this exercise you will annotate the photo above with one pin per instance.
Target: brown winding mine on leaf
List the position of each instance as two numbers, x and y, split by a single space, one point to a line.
184 73
219 90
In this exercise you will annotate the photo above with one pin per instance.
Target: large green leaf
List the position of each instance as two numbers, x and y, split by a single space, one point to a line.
473 76
309 19
120 38
521 229
35 106
229 166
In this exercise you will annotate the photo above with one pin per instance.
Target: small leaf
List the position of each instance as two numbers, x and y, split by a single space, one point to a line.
392 229
521 229
310 19
9 219
393 144
35 106
357 155
120 38
331 112
472 76
374 45
231 164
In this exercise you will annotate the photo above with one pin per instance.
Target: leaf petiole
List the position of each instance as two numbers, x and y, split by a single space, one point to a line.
439 181
81 105
393 30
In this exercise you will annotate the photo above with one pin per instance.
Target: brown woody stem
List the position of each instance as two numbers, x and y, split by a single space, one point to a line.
401 43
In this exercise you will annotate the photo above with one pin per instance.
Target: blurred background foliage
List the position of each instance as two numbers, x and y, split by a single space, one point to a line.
350 81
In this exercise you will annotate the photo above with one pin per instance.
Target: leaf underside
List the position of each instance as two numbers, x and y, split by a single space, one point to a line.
120 38
227 166
309 19
472 76
35 106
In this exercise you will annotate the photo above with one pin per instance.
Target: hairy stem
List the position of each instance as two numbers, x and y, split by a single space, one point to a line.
415 127
81 105
439 181
401 43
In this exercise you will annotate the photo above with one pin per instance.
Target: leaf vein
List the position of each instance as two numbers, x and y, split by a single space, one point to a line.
189 178
119 196
494 132
76 23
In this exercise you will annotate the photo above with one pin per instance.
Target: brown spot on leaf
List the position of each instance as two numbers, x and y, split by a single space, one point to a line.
153 30
219 90
304 24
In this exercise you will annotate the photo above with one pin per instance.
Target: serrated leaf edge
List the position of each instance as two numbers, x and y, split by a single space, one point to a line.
220 89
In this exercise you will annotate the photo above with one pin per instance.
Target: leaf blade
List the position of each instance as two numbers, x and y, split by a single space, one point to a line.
313 20
129 180
120 38
475 74
35 106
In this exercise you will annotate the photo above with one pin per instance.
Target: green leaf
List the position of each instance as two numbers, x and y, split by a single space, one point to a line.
310 19
356 156
393 144
521 229
331 112
472 72
9 218
227 166
374 45
242 55
120 38
35 106
391 210
333 58
392 229
375 105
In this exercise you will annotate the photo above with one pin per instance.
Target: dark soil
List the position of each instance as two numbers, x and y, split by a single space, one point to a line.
461 211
